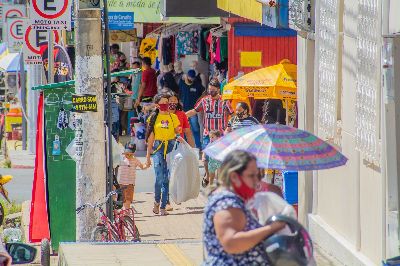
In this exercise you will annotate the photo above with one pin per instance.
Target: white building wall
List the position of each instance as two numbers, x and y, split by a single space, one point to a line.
349 202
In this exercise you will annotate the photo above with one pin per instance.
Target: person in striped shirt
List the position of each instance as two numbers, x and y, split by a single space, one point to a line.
127 173
242 118
216 112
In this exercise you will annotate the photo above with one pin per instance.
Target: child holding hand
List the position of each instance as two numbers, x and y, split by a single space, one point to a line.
127 173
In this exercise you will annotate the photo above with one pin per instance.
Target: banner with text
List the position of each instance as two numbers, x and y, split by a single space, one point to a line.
148 11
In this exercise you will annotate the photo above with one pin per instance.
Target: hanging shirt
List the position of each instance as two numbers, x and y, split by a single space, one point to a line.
215 113
148 48
164 127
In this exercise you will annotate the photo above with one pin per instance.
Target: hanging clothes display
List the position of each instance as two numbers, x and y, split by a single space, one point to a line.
204 47
224 48
168 50
62 120
148 48
187 43
157 63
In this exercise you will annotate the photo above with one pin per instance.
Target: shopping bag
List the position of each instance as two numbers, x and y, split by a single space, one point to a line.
185 175
268 204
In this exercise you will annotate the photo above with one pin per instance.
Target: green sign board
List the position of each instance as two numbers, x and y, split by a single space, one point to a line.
61 173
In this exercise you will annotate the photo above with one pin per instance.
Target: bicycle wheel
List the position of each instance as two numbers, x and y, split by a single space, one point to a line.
131 230
100 234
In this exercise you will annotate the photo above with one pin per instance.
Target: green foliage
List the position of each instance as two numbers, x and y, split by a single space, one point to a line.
10 208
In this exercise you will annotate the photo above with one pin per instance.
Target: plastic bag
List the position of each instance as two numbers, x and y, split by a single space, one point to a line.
185 175
268 204
117 150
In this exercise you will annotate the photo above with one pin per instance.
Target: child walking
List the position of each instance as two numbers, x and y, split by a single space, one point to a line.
213 165
127 173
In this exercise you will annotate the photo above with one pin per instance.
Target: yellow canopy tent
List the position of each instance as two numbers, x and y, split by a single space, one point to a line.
273 82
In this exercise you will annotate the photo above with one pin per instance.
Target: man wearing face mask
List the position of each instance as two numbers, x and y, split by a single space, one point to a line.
190 90
242 118
216 113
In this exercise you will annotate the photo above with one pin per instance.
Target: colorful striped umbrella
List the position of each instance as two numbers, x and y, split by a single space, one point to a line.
279 147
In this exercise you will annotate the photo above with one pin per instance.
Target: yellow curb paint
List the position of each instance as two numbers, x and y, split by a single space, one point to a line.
175 254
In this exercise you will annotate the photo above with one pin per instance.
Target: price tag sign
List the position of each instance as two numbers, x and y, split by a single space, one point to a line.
83 103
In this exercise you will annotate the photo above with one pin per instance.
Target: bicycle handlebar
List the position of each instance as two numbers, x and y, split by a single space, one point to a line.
97 204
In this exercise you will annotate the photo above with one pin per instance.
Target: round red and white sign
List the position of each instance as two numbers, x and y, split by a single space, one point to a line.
34 37
13 13
16 29
51 12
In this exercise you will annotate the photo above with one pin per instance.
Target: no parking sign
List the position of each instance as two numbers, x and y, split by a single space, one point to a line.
11 11
15 33
32 40
50 14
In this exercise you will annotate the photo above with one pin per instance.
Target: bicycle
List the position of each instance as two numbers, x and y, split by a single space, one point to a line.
122 229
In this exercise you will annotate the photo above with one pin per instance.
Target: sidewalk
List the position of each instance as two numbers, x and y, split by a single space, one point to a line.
19 158
170 240
166 240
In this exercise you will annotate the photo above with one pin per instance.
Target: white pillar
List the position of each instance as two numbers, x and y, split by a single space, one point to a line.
91 167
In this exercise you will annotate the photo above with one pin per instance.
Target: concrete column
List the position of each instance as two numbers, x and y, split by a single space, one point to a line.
34 79
90 136
305 89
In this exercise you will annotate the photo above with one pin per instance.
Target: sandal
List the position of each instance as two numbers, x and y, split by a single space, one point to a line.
163 212
205 182
156 208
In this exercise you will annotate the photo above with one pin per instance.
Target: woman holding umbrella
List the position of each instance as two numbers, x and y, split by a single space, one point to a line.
232 236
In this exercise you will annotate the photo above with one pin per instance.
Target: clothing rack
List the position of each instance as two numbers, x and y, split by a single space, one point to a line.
218 31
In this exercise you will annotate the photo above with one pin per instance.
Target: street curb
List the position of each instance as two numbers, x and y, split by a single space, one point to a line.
26 207
21 166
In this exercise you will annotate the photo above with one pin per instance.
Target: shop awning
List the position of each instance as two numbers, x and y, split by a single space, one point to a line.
10 62
192 8
275 82
250 9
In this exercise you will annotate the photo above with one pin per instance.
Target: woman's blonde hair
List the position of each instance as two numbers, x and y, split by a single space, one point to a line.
235 161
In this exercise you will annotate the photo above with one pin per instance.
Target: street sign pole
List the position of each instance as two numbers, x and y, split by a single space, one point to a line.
50 58
23 99
109 110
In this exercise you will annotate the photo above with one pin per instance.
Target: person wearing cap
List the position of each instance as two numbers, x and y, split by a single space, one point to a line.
190 91
216 112
127 173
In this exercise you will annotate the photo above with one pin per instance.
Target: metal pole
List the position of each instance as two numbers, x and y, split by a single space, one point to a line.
50 70
23 99
109 110
35 78
90 135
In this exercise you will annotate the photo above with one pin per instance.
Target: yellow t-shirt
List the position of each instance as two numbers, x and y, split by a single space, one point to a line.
164 128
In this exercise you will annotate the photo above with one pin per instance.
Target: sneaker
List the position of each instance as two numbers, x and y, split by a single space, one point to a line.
156 208
169 208
163 212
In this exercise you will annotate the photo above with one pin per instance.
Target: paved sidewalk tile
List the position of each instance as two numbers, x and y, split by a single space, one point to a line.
183 223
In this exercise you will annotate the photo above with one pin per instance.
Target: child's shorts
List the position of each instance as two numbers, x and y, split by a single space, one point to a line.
213 165
127 192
